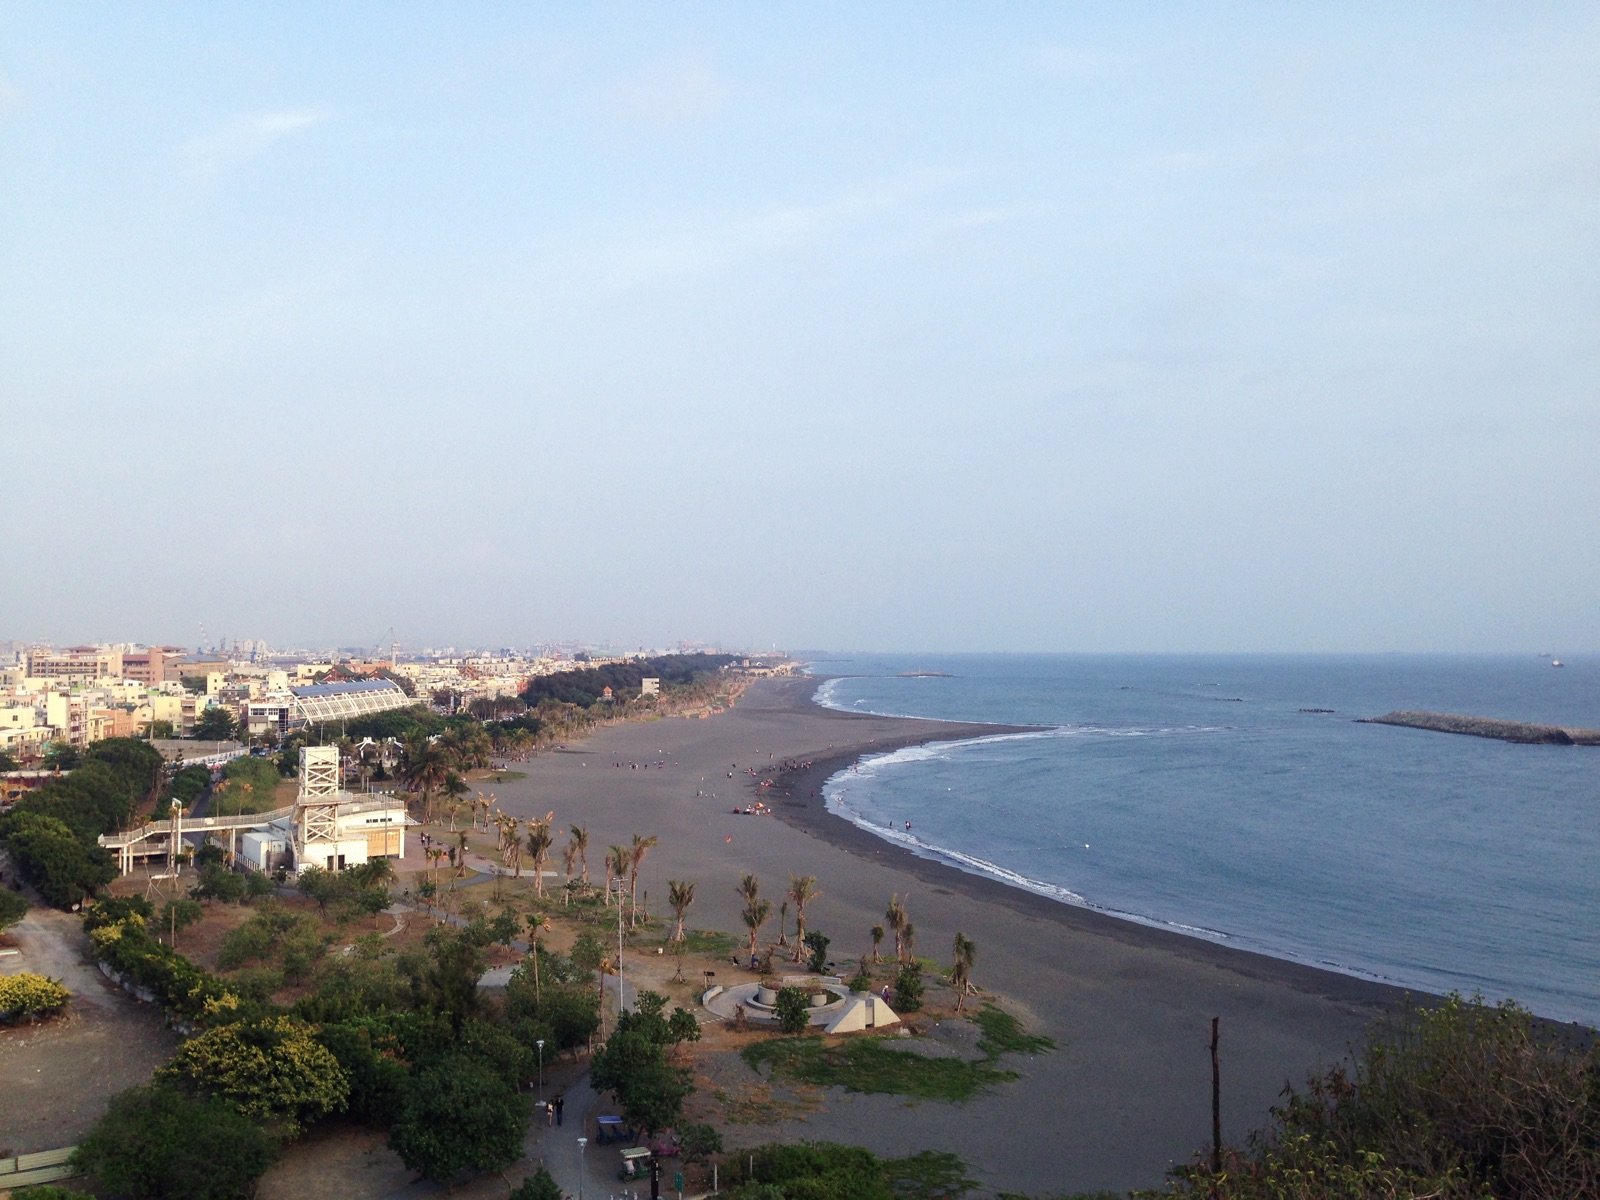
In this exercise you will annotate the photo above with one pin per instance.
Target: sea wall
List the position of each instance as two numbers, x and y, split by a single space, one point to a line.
1489 727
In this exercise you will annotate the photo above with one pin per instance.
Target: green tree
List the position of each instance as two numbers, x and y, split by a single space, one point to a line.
538 1186
793 1010
459 1115
272 1069
178 915
54 859
12 907
7 763
817 943
216 724
908 987
62 756
155 1143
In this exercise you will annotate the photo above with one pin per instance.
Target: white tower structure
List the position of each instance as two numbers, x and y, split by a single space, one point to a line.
316 824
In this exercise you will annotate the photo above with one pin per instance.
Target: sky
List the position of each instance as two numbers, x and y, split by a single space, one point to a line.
1027 327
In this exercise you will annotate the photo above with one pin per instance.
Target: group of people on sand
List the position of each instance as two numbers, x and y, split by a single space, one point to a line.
757 809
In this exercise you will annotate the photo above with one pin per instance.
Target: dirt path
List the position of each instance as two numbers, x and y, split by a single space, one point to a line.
56 1078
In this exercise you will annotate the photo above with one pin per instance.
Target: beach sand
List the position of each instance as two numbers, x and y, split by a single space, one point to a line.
1127 1093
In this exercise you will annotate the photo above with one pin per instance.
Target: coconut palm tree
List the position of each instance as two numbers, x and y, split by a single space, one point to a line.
802 890
680 896
895 918
877 938
578 841
423 769
755 915
617 860
540 840
964 953
636 853
749 888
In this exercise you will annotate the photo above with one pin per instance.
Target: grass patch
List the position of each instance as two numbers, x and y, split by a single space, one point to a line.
869 1064
928 1175
1003 1034
507 776
711 942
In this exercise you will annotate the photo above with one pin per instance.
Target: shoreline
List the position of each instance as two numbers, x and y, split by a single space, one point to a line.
797 798
1126 1094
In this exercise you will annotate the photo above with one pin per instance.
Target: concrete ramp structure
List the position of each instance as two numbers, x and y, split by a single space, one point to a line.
863 1012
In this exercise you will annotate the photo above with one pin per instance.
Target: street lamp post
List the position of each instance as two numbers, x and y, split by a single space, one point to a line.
540 1044
583 1143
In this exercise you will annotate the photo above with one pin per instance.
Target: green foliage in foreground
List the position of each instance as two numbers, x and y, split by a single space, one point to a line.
1004 1034
1460 1102
871 1064
829 1171
12 907
459 1115
155 1142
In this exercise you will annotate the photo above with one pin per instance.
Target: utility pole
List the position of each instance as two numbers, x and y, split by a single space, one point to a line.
619 885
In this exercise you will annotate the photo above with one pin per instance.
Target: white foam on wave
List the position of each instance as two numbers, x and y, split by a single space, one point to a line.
974 865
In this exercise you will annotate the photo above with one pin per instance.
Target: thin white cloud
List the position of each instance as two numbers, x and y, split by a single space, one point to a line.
240 139
776 228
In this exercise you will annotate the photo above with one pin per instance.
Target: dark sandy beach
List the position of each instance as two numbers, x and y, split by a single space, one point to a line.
1127 1093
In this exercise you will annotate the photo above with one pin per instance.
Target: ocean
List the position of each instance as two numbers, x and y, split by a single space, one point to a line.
1237 799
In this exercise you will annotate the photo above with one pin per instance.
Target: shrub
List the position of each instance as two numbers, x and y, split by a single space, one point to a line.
793 1010
28 996
908 988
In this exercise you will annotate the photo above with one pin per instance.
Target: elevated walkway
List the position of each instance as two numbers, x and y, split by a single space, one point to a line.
142 842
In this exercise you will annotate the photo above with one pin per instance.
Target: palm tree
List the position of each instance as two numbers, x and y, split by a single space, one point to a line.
617 859
756 910
755 915
424 769
540 840
895 918
434 854
679 895
908 935
636 852
964 953
579 842
783 922
877 937
802 890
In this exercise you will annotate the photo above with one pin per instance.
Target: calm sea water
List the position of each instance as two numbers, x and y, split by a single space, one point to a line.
1195 793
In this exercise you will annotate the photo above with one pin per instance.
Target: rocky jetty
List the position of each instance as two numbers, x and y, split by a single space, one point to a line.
1489 727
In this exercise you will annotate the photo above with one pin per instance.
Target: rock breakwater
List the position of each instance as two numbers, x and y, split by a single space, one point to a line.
1489 727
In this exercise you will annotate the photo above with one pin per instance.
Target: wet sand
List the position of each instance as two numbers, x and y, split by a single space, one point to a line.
1127 1093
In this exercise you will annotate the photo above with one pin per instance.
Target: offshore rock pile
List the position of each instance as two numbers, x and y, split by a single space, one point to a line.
1489 727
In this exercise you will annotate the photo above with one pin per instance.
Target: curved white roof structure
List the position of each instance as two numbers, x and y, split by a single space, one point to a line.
343 701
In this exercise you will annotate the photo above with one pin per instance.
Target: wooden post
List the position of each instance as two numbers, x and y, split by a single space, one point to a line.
1216 1103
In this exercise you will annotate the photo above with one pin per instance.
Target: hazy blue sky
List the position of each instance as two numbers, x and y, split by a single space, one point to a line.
984 326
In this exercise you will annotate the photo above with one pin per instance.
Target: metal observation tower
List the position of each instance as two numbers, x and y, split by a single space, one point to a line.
316 807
